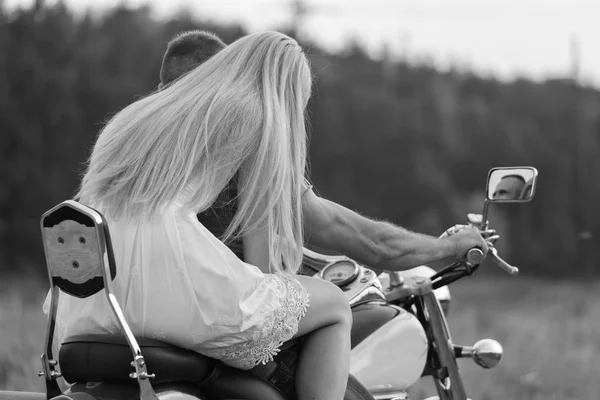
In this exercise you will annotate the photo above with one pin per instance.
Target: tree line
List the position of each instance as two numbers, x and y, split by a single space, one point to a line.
393 140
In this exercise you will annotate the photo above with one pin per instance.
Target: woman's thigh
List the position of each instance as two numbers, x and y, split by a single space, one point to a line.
327 305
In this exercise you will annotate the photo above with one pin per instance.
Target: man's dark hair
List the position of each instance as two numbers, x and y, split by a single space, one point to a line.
185 52
519 177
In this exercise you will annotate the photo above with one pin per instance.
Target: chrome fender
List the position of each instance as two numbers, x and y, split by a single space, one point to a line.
393 357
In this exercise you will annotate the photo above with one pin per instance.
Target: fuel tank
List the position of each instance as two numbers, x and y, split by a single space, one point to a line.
368 317
393 357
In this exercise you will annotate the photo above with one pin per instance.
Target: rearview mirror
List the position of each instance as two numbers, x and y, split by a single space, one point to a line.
511 184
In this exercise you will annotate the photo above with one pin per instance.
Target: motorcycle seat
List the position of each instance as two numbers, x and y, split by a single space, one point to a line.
107 358
101 357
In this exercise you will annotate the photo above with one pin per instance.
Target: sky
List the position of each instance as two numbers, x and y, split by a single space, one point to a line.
508 38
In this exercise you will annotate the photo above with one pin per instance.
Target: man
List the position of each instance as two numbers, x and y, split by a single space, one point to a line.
330 226
510 187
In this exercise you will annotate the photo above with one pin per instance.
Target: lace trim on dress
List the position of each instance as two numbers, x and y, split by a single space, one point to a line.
277 326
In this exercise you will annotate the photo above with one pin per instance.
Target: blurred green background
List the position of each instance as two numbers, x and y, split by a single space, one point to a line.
394 140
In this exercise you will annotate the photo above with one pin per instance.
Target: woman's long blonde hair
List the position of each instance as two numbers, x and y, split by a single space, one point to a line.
243 107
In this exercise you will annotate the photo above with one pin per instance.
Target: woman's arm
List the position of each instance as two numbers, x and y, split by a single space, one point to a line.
256 248
256 241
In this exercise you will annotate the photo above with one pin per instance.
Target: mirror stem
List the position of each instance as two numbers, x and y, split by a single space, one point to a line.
484 214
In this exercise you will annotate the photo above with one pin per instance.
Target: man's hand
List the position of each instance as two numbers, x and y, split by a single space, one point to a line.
464 240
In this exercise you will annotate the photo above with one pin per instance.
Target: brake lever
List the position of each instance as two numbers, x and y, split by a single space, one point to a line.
492 239
475 256
501 263
487 232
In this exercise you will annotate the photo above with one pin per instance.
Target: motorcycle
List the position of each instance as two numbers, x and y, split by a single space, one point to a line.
399 335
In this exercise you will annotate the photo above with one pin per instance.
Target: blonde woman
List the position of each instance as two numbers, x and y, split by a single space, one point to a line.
328 226
168 156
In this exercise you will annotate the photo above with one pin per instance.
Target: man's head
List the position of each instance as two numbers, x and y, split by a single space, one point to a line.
185 52
510 187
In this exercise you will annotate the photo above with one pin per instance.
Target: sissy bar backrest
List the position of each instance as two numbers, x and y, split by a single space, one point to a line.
80 262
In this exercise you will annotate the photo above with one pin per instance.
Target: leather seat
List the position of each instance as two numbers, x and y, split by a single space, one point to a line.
99 358
107 358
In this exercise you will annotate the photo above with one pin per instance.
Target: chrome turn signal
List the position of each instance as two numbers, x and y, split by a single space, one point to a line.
486 353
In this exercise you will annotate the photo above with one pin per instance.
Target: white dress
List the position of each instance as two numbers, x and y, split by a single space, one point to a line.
178 283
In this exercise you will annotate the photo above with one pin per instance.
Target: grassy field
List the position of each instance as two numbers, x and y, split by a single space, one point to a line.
550 333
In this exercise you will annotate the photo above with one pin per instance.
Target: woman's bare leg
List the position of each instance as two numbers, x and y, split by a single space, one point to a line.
324 362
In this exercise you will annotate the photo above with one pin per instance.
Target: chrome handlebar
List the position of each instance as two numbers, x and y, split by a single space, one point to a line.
475 256
476 220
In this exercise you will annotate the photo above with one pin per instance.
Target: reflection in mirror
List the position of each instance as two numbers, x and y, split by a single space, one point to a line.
511 184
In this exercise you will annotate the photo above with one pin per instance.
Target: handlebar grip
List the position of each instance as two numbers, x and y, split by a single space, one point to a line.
503 264
475 256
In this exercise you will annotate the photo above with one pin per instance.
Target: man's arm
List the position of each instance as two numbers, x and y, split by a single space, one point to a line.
380 245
